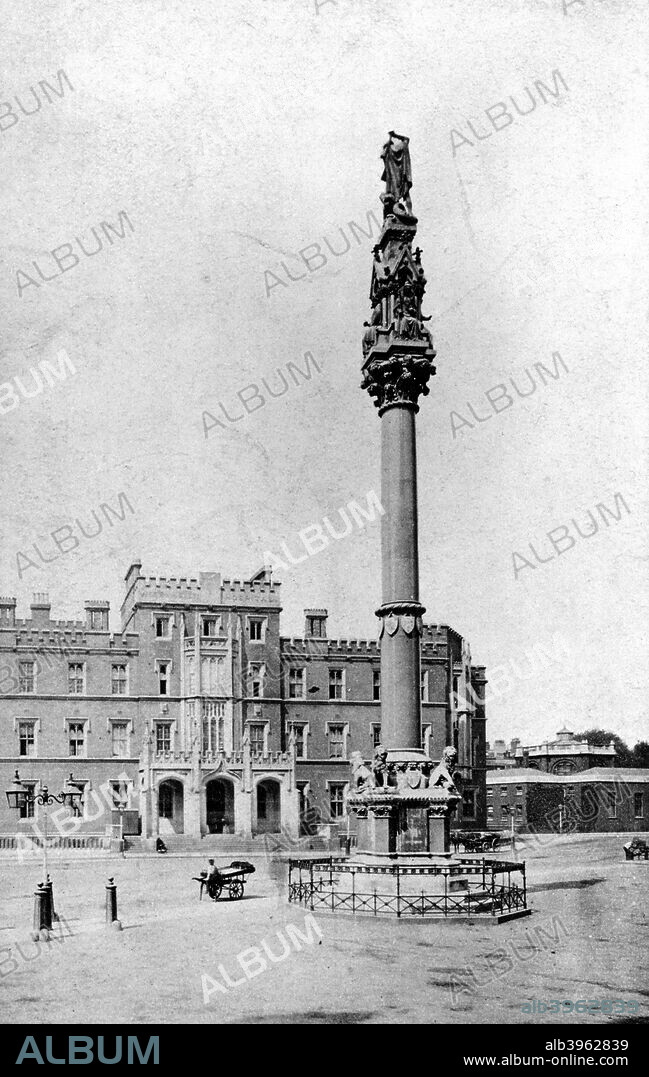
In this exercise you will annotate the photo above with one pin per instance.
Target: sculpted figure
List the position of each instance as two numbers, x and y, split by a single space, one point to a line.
361 773
397 174
370 334
449 758
380 767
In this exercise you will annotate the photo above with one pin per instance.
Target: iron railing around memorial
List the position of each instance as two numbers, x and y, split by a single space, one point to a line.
467 887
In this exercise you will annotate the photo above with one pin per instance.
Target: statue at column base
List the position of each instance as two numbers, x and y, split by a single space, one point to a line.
404 803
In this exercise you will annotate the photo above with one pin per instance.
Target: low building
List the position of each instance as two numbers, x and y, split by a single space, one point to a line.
566 754
198 717
599 799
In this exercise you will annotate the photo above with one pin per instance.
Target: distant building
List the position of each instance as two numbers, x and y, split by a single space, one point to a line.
566 754
499 756
197 717
597 799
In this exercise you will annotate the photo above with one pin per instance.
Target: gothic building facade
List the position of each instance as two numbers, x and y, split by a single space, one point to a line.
199 718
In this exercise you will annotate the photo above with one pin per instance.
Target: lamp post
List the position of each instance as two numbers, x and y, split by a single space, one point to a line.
20 795
508 809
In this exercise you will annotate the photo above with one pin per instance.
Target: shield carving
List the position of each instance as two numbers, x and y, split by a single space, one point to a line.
408 625
391 624
413 778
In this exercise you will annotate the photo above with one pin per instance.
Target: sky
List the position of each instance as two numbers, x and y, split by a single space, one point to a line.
238 138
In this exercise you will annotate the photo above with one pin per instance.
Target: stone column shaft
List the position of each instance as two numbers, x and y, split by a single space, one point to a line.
400 652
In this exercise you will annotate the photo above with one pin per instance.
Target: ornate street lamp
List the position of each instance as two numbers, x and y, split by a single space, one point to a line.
21 795
18 794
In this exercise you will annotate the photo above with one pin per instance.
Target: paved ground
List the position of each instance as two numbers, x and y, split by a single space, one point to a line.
587 939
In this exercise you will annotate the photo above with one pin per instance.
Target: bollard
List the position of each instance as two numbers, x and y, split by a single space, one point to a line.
111 906
47 907
53 915
41 909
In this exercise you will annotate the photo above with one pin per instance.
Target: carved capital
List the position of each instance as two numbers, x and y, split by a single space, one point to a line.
397 381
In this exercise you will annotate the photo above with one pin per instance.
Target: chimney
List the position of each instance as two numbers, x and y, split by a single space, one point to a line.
7 612
315 623
40 608
97 614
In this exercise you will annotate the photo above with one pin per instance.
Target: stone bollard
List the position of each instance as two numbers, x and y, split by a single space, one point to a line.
53 915
111 906
42 923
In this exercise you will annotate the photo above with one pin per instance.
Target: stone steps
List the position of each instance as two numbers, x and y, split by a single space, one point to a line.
224 844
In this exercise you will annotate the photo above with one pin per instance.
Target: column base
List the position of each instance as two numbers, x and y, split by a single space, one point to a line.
404 806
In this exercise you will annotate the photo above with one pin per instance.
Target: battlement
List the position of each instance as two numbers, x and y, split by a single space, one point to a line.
251 586
5 601
51 628
187 582
330 647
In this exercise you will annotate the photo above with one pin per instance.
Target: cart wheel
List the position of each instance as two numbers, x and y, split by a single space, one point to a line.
236 891
215 892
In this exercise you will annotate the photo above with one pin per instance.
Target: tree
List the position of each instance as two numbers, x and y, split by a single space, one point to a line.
601 738
641 754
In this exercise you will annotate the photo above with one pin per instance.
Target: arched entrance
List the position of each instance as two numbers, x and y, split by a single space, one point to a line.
171 807
219 804
268 814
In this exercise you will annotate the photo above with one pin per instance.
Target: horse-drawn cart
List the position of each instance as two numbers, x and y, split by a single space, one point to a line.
232 879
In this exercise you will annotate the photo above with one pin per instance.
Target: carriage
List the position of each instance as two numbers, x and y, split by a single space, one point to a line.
636 849
232 879
475 841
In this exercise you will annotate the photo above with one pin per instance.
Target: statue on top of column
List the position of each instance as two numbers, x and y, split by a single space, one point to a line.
397 175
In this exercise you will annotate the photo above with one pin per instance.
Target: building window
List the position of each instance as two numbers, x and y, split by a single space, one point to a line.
300 735
638 805
257 738
519 790
519 810
211 626
424 686
163 739
26 677
27 738
213 674
77 738
316 626
468 803
119 739
336 684
27 807
163 678
296 679
256 629
76 678
98 620
336 800
376 684
490 794
336 742
256 680
490 811
213 726
503 790
119 679
163 626
376 735
610 803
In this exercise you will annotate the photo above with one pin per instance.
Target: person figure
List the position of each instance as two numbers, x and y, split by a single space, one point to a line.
397 175
380 767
